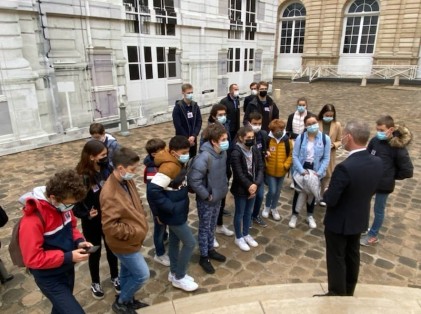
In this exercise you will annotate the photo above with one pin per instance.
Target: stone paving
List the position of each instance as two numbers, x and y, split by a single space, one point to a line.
284 255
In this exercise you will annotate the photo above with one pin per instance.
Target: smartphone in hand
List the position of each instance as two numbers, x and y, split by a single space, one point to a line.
92 249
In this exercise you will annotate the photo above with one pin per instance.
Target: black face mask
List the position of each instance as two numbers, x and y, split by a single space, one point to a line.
103 161
278 134
263 93
249 142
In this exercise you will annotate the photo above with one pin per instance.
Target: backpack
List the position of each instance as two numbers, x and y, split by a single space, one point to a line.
189 167
14 246
286 141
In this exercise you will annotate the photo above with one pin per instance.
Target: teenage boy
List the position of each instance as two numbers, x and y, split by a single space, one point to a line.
125 227
264 105
253 93
97 132
260 138
187 118
153 147
232 103
168 197
390 145
52 245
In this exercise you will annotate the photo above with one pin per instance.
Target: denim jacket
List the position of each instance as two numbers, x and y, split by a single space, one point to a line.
321 154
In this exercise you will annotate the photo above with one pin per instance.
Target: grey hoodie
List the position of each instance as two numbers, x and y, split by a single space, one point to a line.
208 175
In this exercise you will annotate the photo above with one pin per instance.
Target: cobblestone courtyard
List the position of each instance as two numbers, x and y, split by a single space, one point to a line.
284 255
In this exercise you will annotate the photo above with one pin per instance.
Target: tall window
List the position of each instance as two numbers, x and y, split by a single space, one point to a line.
165 16
361 27
142 66
235 59
293 29
138 16
242 16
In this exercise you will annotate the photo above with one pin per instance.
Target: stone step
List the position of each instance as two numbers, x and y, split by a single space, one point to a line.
295 298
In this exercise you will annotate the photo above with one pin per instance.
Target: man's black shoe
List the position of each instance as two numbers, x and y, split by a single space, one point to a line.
259 221
8 278
329 294
216 256
206 265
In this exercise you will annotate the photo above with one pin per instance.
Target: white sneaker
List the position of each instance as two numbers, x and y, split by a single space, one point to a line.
224 230
250 241
184 284
171 276
323 204
292 185
241 243
163 259
265 212
311 222
275 214
293 221
215 243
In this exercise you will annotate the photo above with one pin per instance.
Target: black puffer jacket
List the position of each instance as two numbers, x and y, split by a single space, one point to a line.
397 164
242 180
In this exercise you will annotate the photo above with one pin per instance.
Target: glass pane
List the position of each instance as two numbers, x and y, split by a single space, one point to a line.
157 3
161 70
237 66
134 72
160 54
169 3
237 53
370 48
172 70
245 66
251 64
371 39
149 71
148 54
132 54
171 54
171 29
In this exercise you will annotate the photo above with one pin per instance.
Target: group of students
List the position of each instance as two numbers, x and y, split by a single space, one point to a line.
102 193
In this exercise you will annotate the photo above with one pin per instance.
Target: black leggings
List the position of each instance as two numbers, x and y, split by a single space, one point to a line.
92 230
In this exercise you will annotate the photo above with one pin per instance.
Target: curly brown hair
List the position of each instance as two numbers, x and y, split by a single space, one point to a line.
65 184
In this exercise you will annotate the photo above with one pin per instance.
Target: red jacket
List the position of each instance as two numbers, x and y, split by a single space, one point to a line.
49 250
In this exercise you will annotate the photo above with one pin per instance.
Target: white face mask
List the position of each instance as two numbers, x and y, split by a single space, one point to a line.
256 128
236 93
254 92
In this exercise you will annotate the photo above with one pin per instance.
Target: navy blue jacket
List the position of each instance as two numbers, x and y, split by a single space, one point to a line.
181 121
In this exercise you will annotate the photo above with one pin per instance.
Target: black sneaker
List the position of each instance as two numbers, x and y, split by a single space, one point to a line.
216 256
122 308
258 220
136 304
116 284
206 265
97 291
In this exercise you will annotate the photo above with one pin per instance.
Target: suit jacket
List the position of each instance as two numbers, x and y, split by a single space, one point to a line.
353 183
233 112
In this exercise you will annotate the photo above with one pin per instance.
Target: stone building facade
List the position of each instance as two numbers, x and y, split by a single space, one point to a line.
352 34
67 63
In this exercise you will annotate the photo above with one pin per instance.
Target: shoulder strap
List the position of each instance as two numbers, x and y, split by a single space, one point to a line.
40 218
287 147
324 139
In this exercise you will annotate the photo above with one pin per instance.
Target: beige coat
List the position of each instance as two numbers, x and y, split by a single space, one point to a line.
335 134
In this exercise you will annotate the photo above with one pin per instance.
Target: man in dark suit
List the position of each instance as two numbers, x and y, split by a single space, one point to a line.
232 103
348 197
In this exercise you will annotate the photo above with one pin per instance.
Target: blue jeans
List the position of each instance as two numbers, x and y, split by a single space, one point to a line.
59 290
258 200
179 259
134 272
379 207
274 192
243 207
158 237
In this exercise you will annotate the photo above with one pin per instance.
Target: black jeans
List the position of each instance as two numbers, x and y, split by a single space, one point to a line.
92 230
59 290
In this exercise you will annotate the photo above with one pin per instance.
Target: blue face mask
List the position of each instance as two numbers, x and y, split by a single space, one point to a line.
224 145
128 176
222 119
313 128
189 96
327 119
301 109
184 158
64 208
381 136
